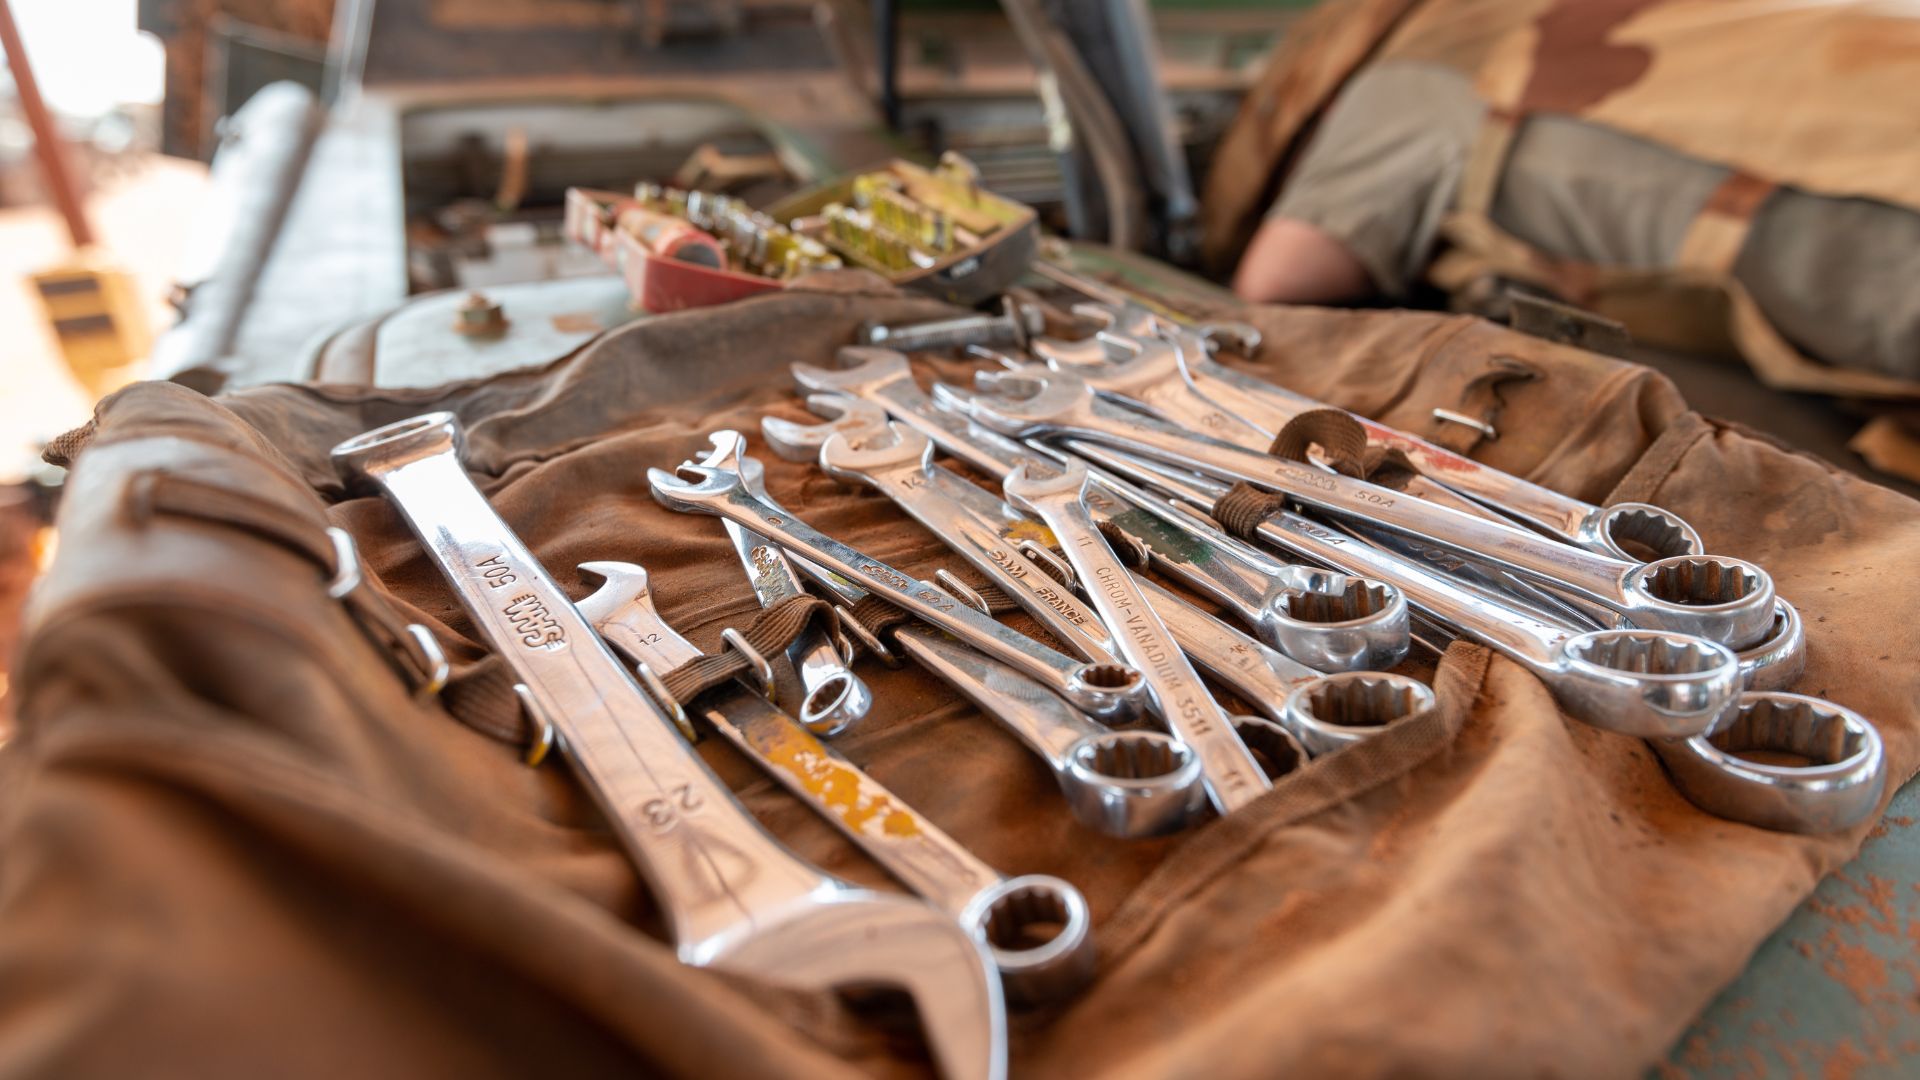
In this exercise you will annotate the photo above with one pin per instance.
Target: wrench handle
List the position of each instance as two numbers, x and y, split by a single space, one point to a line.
1526 639
1262 675
1233 777
928 603
1585 572
906 402
975 537
710 865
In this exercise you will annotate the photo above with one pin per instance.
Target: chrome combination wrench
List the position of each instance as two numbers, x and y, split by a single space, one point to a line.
1725 600
1329 621
731 896
1233 777
1035 926
836 697
1109 692
1612 530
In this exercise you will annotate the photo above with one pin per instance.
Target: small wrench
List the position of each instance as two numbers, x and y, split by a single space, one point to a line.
1122 783
1722 599
836 697
1108 692
1234 778
732 897
1036 927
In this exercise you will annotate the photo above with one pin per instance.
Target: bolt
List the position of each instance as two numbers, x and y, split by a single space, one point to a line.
479 315
1015 325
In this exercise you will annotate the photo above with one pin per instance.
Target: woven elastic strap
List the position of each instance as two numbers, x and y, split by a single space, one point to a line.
1343 447
1241 510
769 635
482 697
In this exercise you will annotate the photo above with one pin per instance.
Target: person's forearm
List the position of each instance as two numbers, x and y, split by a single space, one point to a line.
1293 262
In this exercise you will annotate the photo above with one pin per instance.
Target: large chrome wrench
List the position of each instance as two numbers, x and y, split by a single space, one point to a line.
1648 683
1329 621
898 462
1605 529
1774 664
1036 926
731 896
1108 692
1233 777
1726 600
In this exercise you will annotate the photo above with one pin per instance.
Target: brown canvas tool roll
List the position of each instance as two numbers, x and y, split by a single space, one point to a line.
236 844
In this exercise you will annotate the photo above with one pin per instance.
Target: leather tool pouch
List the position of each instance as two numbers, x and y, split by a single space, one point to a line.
225 799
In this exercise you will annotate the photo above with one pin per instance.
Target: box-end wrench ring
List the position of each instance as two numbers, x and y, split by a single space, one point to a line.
1123 783
1111 693
731 895
1036 927
1726 600
1841 784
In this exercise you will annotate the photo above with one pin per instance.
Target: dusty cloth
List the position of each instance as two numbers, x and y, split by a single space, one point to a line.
234 845
1711 174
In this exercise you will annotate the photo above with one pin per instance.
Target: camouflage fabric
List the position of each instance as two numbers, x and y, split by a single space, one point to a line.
1815 92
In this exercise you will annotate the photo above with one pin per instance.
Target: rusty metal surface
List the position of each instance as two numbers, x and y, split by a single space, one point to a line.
1835 993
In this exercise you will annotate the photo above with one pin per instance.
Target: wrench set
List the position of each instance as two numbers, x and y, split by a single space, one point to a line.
1111 467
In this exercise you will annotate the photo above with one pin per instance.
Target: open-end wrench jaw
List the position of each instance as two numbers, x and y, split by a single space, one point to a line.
845 457
859 367
845 938
693 488
1031 400
794 441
